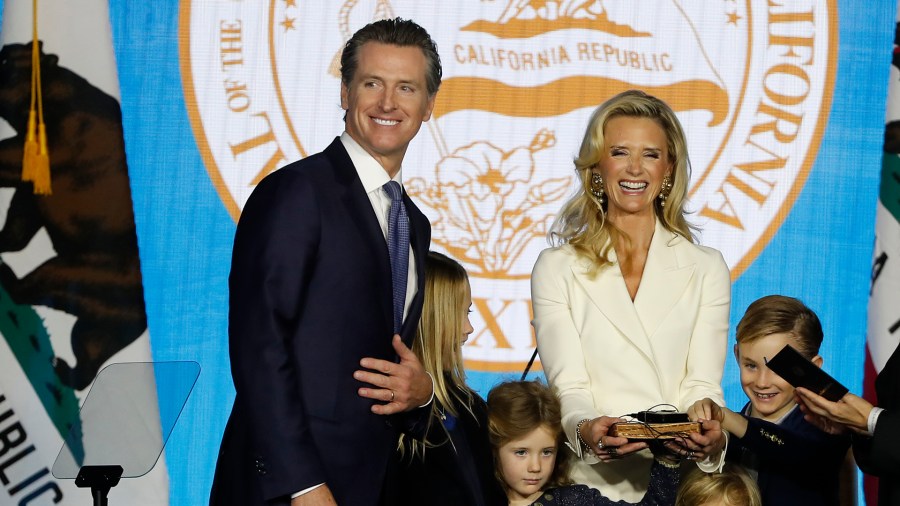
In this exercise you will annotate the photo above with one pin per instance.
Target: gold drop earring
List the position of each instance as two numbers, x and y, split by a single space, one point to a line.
665 190
597 188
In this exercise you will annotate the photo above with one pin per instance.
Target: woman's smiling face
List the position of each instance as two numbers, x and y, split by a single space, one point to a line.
633 164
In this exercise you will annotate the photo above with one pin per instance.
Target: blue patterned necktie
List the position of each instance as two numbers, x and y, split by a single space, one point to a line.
398 249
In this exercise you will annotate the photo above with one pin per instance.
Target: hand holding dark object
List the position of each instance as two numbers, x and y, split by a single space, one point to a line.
595 433
699 446
706 409
850 412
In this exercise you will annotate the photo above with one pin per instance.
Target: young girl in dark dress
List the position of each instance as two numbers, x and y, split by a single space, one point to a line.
527 438
447 460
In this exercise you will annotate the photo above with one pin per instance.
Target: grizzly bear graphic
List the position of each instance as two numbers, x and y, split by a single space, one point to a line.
95 275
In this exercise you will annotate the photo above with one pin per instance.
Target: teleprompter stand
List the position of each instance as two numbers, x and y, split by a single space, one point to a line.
100 479
126 419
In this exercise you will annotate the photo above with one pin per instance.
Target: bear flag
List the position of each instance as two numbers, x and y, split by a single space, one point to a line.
883 333
71 292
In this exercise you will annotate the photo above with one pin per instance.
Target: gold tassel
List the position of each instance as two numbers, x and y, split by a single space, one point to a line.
35 155
30 149
42 165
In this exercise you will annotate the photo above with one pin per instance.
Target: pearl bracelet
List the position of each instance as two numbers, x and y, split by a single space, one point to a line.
581 440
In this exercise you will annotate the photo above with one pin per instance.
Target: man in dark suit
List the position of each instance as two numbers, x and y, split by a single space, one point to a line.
322 388
876 430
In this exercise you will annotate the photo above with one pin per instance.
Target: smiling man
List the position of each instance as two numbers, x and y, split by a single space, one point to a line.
387 96
326 291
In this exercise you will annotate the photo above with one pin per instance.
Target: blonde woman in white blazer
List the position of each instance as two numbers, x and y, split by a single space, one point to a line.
628 312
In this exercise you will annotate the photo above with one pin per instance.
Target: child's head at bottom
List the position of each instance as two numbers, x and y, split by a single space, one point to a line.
526 435
732 487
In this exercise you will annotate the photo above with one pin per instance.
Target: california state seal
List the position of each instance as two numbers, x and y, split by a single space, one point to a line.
751 81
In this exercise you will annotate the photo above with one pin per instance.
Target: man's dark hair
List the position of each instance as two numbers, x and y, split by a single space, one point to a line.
396 32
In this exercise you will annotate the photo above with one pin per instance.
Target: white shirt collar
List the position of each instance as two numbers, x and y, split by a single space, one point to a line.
371 173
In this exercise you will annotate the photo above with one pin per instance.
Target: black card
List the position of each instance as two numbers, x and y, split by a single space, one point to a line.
800 372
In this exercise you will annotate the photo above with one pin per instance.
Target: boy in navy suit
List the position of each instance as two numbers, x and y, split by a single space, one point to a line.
792 460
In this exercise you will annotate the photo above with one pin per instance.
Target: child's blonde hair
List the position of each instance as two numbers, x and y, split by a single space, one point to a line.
777 314
733 487
438 344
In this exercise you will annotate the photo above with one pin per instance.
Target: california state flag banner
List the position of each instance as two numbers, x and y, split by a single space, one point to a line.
884 311
71 292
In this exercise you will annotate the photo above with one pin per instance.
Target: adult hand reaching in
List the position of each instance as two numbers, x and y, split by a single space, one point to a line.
402 385
849 412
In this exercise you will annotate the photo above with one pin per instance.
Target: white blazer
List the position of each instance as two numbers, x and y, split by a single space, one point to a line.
607 355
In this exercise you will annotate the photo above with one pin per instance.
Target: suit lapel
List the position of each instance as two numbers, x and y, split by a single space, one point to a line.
360 208
360 213
608 293
663 281
420 238
662 285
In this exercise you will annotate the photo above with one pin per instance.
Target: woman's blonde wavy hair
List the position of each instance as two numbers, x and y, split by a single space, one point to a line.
438 343
582 222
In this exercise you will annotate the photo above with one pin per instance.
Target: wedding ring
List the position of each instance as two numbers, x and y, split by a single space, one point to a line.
600 443
691 455
392 395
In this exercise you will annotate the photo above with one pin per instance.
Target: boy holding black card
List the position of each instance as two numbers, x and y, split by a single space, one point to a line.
793 461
